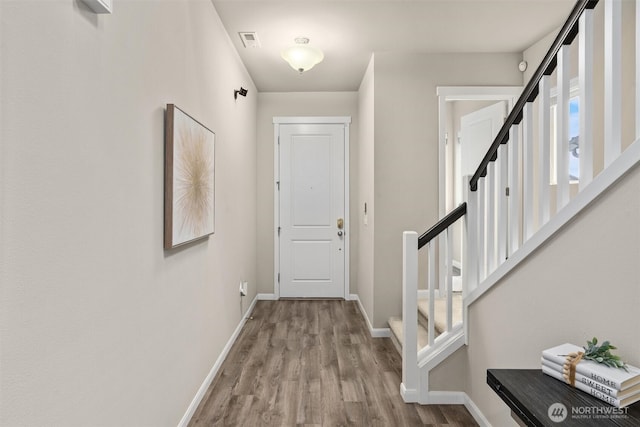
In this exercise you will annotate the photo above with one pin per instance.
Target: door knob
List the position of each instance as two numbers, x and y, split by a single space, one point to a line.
340 223
340 233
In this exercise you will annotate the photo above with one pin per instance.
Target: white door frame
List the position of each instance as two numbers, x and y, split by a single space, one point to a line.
462 93
277 121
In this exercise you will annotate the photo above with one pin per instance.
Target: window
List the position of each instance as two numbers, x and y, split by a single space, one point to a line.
574 134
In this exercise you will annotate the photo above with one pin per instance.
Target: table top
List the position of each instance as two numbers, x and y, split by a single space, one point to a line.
539 400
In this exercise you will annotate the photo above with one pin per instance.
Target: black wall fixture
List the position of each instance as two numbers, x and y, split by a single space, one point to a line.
242 91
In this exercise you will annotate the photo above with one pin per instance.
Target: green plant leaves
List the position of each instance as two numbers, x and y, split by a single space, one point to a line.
602 354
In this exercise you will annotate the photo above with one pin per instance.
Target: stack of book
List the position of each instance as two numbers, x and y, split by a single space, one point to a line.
616 386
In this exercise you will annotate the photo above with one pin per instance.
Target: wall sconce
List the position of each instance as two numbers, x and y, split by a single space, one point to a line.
242 91
301 56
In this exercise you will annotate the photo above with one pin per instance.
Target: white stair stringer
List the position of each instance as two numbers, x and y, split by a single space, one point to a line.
428 358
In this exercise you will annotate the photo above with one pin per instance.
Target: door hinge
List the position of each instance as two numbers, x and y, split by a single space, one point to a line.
278 139
278 277
278 184
279 228
507 191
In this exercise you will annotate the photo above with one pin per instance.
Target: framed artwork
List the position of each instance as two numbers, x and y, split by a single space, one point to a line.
189 190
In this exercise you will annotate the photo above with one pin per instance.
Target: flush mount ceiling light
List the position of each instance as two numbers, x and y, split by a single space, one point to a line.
301 56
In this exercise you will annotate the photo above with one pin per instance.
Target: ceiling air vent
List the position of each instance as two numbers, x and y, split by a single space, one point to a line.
249 39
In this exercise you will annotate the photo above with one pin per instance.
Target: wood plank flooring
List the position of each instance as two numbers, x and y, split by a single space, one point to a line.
313 363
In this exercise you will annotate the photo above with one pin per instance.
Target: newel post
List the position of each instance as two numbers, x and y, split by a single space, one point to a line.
409 388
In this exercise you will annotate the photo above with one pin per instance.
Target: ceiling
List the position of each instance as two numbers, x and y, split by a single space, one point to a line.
349 31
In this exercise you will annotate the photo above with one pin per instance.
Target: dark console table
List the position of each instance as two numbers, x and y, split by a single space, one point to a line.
530 393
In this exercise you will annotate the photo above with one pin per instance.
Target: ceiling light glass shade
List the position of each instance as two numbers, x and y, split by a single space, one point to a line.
302 57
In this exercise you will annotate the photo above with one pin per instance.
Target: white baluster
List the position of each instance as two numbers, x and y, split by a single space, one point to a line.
470 278
514 189
562 128
527 166
502 222
612 80
470 249
482 242
544 148
585 71
637 69
449 239
410 379
442 271
491 217
432 291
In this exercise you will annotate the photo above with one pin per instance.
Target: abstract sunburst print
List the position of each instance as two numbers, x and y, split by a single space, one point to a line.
192 178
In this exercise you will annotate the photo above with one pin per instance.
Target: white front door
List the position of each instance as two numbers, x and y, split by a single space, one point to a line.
312 221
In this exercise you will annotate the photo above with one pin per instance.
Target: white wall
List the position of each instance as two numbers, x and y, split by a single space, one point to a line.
99 325
270 105
406 150
366 193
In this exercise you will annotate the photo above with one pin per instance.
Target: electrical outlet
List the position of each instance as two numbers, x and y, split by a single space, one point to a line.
243 289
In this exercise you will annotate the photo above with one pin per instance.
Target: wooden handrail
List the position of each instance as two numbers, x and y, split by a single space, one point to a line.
565 37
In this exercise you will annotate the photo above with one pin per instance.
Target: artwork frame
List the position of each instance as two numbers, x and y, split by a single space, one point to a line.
189 179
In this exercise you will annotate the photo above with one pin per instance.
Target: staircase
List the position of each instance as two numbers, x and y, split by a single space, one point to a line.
440 320
508 211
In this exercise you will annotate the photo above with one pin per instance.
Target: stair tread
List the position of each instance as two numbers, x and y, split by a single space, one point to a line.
440 306
395 324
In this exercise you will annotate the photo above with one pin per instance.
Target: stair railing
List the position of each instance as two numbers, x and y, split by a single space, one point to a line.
509 199
510 203
410 387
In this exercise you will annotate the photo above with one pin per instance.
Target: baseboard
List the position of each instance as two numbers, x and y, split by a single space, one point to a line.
216 367
475 412
458 398
266 297
375 332
409 396
446 398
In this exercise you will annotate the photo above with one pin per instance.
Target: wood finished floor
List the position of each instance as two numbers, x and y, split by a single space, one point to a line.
313 363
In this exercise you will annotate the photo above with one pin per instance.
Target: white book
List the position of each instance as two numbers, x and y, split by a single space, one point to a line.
618 403
615 378
618 394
